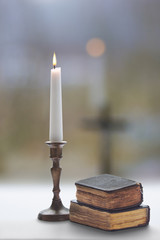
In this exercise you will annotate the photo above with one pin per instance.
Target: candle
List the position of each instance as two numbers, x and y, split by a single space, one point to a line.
56 121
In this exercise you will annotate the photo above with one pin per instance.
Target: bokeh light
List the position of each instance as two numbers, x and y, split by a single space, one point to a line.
95 47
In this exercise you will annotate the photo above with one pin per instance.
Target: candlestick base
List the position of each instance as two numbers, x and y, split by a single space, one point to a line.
56 212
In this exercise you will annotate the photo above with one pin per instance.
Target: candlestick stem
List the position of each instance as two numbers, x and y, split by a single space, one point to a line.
56 212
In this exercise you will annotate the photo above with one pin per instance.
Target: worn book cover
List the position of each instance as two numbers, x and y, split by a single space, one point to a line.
109 220
109 192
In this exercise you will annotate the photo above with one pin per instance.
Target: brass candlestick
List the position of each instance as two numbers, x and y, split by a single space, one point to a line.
56 212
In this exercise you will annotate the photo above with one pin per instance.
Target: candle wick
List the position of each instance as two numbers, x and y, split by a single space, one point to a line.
54 66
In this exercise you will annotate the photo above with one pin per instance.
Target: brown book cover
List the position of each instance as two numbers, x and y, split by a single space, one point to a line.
109 192
109 220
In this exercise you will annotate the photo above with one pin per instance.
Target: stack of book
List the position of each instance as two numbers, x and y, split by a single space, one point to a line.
110 203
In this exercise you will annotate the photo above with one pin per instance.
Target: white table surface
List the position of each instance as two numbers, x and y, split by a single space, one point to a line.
20 204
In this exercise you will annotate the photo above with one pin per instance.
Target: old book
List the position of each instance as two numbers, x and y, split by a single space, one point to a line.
109 220
109 192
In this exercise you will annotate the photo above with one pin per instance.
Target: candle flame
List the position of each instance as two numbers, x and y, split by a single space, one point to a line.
54 60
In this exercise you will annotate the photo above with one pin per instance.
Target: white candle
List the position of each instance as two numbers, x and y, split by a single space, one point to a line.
56 121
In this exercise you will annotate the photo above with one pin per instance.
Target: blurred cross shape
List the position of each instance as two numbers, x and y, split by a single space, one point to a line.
106 124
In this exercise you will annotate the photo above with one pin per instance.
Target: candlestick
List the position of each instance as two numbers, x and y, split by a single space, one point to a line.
56 121
56 212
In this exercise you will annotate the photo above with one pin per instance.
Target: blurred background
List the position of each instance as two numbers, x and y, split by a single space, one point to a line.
109 52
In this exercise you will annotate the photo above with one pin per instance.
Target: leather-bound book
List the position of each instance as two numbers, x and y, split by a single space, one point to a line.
109 220
109 192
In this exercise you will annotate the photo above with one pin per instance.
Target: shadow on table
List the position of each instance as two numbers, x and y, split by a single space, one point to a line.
137 232
79 232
